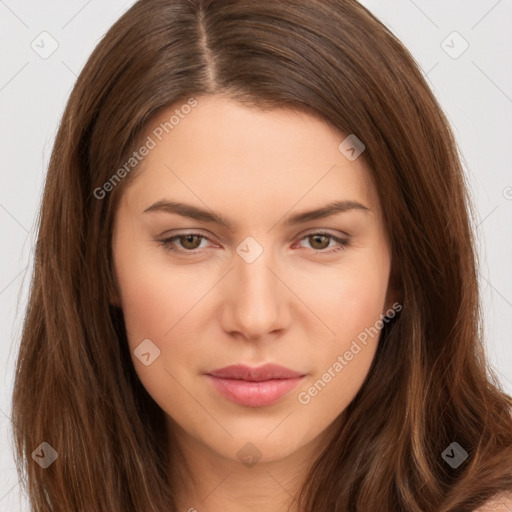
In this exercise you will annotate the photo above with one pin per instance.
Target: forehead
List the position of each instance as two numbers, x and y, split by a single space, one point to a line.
232 156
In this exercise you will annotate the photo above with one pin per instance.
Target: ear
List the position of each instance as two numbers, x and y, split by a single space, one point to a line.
394 293
114 296
114 300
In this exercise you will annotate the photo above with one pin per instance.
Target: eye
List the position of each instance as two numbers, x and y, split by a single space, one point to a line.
190 242
318 239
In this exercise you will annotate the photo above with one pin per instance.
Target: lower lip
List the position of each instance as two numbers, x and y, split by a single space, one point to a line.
254 394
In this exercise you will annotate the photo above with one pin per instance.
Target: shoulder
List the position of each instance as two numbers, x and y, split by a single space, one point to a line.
500 503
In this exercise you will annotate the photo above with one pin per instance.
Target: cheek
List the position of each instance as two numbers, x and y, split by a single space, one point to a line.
165 304
155 302
341 364
329 392
154 297
352 297
351 306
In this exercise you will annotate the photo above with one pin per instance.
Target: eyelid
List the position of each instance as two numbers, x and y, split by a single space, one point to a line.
302 234
333 232
341 241
178 233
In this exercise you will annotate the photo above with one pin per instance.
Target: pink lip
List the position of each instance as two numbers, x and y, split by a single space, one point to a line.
254 387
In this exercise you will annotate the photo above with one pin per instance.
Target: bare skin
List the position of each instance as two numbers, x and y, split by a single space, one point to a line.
295 304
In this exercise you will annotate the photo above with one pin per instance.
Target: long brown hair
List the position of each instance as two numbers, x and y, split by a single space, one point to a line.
429 385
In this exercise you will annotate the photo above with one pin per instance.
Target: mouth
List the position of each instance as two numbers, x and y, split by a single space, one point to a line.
254 387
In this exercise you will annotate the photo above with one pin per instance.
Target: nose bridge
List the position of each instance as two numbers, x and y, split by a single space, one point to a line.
256 297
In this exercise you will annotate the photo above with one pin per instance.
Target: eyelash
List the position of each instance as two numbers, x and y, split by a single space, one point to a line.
166 243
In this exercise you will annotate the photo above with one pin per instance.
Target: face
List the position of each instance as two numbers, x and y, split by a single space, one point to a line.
242 276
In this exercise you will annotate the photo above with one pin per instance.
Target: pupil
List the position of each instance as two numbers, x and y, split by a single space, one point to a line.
316 237
189 239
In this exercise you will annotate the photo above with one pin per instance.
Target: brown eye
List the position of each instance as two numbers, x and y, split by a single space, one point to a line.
190 241
186 243
319 241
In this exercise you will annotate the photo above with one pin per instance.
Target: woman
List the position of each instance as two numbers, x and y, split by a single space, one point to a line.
255 282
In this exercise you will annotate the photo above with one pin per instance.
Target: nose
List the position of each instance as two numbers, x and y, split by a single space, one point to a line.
255 301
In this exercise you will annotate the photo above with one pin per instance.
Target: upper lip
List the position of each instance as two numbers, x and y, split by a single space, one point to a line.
266 372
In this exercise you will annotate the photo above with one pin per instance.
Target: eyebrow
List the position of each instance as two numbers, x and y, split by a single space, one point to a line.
193 212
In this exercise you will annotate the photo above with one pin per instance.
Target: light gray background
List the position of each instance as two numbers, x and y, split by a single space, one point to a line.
474 89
